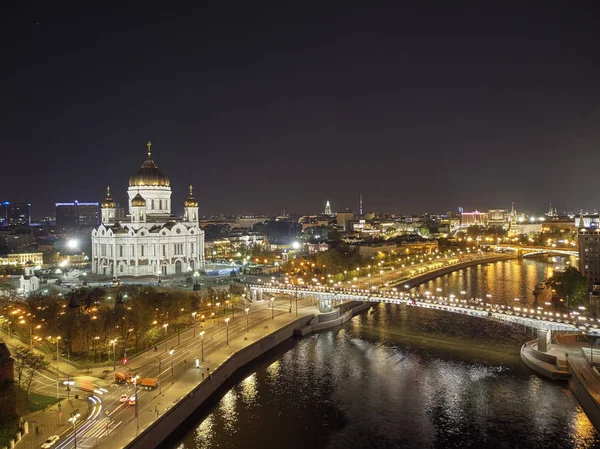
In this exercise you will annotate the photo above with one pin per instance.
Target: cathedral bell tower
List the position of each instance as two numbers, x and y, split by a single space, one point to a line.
191 208
138 210
108 208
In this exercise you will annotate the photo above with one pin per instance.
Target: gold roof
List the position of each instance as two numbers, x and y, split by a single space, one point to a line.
191 201
108 201
138 201
148 174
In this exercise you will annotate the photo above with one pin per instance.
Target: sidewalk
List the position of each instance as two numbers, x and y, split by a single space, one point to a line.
49 421
154 404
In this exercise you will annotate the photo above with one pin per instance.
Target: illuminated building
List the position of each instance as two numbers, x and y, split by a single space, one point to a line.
589 253
473 219
22 259
17 214
150 241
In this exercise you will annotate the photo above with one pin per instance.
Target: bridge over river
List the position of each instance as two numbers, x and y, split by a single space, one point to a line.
511 315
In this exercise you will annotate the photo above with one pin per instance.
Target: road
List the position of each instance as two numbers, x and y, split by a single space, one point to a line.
108 414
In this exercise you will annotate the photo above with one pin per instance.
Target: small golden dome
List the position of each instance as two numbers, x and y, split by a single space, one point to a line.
191 201
108 201
138 201
149 174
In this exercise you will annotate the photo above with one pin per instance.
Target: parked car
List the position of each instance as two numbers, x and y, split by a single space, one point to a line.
51 441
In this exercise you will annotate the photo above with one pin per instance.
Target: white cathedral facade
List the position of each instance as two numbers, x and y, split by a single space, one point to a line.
151 241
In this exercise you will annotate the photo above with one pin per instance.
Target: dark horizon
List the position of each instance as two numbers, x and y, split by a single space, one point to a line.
422 108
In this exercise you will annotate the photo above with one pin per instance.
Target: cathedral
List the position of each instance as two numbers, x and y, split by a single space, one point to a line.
151 241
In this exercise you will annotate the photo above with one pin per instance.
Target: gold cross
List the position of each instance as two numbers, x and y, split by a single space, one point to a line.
191 189
108 190
149 144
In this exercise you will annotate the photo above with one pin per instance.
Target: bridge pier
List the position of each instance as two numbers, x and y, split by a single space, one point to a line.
325 305
544 338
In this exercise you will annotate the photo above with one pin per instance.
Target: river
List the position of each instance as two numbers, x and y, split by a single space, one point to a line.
401 376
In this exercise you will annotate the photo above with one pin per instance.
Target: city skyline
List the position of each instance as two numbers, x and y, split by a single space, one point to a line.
419 108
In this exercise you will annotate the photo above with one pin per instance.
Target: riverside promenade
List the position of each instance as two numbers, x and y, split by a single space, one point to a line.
570 358
162 411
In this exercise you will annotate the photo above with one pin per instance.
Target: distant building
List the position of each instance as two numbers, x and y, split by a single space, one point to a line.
75 214
17 214
19 239
328 209
314 248
498 217
523 228
7 365
343 219
428 246
29 284
373 249
589 253
475 218
22 259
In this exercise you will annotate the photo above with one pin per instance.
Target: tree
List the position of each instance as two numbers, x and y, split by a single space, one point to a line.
35 363
571 285
27 365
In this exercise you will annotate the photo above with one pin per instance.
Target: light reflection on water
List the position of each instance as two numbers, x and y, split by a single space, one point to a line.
402 377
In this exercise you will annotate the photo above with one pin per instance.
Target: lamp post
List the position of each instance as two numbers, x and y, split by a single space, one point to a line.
158 377
247 310
218 304
166 326
171 352
57 391
202 335
272 309
114 343
73 419
194 318
227 322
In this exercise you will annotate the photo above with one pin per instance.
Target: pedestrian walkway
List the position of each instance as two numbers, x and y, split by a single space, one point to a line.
156 404
54 420
573 357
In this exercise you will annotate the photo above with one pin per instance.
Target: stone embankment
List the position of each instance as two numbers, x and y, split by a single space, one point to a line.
339 316
569 359
167 423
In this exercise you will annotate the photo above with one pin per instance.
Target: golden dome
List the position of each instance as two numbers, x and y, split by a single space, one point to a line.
191 201
138 201
148 174
108 201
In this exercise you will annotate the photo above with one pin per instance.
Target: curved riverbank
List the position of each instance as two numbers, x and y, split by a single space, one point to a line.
426 277
567 360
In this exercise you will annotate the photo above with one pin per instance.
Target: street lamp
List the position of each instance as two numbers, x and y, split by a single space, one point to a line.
114 343
165 327
57 340
73 419
202 335
171 352
272 309
247 310
194 318
227 322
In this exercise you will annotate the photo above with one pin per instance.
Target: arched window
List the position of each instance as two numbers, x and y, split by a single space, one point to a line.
160 204
152 205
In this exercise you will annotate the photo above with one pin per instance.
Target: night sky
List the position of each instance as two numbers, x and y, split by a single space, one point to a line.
422 108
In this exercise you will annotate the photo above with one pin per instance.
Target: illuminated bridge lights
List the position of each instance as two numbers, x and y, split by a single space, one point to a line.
499 312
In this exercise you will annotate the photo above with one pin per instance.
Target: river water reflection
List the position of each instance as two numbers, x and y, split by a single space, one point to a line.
400 377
